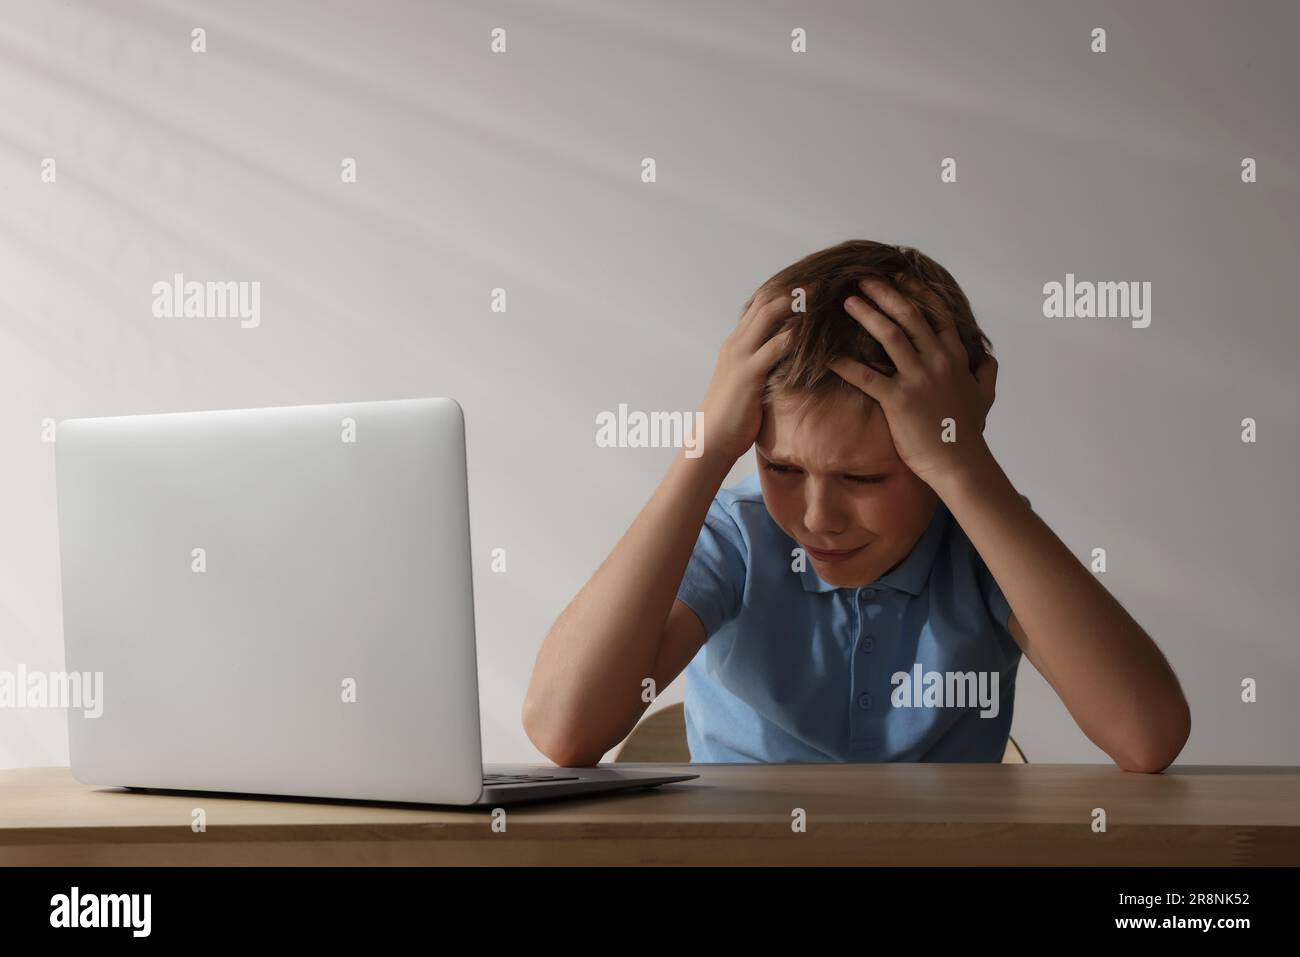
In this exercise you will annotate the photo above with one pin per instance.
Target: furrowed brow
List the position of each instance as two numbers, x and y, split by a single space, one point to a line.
852 468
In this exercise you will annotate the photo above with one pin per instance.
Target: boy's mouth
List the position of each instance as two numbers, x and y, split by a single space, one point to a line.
834 554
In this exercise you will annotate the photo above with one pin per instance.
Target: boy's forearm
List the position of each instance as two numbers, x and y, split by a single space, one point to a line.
1106 669
590 667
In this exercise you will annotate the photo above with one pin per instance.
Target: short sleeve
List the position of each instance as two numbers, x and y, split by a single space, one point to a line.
714 582
997 602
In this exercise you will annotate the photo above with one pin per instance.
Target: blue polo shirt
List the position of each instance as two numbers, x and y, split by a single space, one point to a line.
796 670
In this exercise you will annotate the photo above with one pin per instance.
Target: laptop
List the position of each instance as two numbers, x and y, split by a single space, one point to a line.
280 602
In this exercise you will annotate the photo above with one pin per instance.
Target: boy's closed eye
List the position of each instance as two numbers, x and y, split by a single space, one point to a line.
782 469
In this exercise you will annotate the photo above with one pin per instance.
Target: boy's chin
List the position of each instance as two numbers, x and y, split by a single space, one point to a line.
844 574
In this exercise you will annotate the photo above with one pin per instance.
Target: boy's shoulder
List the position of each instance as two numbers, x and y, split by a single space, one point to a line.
736 499
739 511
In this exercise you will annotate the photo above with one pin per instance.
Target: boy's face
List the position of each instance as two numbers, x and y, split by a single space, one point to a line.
833 481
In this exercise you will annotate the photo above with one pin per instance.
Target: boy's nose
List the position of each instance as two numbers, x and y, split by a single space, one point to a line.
822 515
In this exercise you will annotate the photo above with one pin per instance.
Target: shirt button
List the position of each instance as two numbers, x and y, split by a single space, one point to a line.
864 701
868 645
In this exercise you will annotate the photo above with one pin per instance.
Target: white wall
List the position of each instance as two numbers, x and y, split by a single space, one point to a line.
522 171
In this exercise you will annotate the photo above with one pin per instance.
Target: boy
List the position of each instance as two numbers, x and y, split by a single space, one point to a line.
866 597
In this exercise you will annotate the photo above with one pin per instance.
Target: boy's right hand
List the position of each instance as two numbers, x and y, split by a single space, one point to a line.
732 412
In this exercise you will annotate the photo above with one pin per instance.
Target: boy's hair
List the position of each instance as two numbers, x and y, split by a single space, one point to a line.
825 330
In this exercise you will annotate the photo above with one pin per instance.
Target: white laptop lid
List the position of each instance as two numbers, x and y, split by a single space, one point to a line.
335 555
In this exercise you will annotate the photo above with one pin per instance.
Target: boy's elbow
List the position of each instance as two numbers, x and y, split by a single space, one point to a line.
569 754
561 748
1158 745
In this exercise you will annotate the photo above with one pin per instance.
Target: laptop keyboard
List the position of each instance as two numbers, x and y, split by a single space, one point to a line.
525 778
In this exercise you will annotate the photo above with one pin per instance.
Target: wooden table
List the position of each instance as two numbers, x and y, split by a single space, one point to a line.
733 814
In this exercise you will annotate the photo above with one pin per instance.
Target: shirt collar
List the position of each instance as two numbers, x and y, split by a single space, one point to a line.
911 574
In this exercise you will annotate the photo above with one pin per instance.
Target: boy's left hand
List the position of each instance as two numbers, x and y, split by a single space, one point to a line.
932 381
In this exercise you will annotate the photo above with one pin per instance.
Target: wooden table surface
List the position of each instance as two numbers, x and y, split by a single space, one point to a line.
733 814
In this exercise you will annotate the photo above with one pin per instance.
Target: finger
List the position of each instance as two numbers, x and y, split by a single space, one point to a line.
945 327
986 375
770 352
755 303
757 327
762 296
875 384
904 312
889 334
